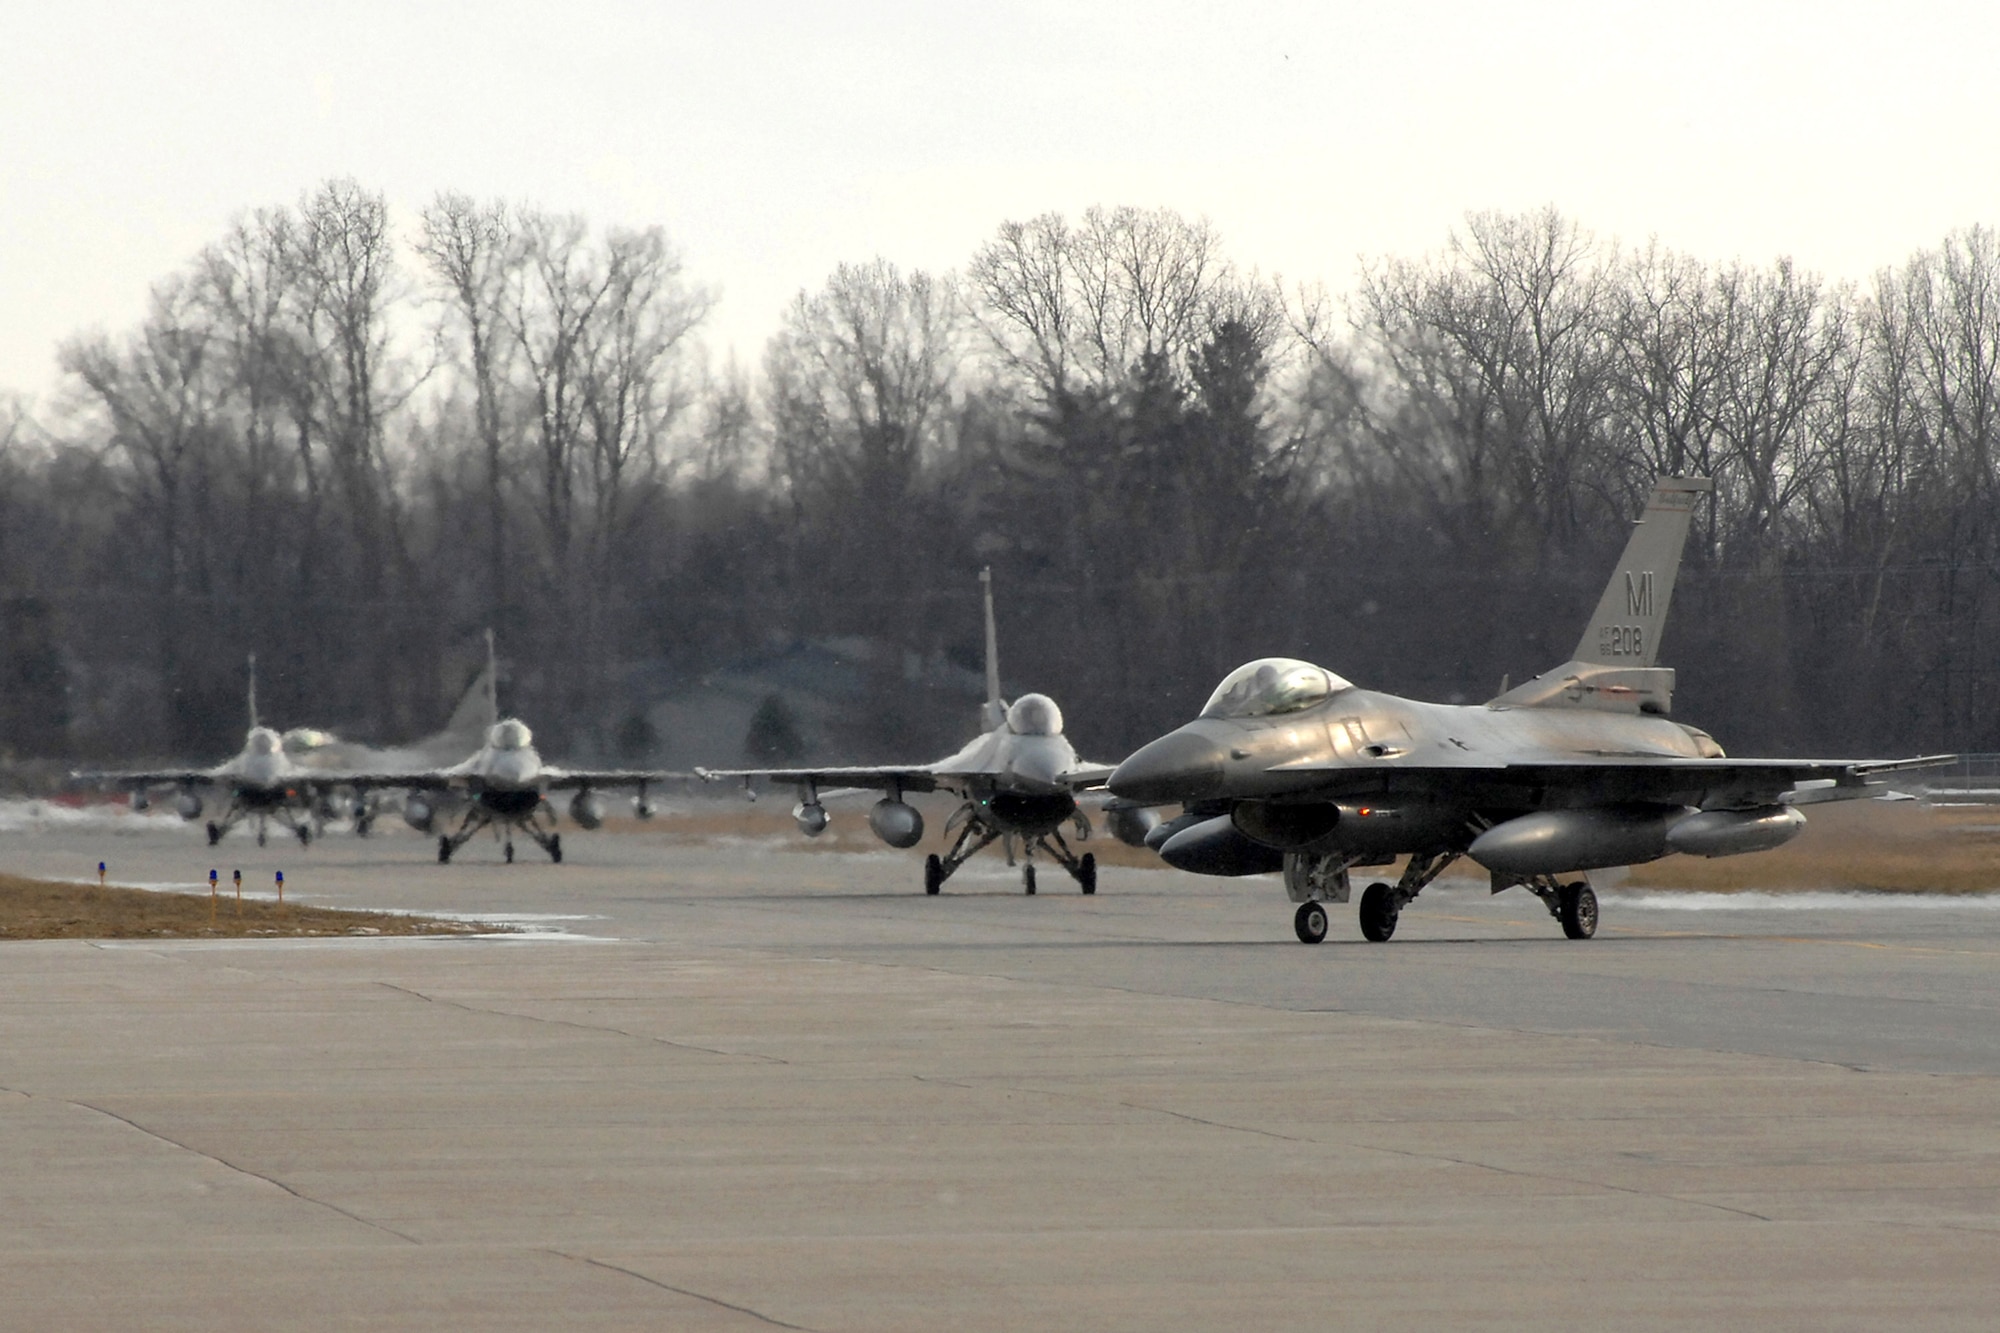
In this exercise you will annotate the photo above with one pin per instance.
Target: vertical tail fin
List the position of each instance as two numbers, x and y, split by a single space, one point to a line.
1625 631
253 691
1614 667
492 682
995 711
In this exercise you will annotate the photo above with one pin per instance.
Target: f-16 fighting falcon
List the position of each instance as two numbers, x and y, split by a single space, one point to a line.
1018 782
262 781
1291 768
504 786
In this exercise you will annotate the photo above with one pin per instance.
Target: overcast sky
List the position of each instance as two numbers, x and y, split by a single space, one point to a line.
774 141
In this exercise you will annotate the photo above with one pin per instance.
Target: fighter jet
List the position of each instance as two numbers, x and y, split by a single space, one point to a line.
504 786
262 781
1289 767
1017 781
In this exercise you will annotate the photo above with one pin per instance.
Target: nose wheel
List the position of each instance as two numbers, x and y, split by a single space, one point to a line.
1028 880
1310 922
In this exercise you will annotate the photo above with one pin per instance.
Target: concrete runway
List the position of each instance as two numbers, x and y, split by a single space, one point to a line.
752 1086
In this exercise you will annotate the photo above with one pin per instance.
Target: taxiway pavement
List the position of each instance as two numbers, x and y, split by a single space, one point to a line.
741 1085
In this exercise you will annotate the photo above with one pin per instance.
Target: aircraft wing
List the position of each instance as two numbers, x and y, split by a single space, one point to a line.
185 777
563 779
1087 777
1636 777
918 777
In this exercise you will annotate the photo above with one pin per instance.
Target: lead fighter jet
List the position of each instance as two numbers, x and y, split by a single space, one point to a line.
1291 768
1018 782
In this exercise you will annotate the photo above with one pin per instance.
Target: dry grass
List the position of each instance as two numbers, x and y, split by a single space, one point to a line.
32 909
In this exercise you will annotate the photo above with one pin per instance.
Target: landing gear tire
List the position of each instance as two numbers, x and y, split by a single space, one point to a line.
444 850
1310 923
555 848
1378 913
933 874
509 852
214 833
1028 880
260 837
305 837
1577 909
1086 873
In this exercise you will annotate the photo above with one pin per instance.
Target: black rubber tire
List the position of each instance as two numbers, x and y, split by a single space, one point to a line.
555 848
1086 873
1577 908
305 836
214 833
1028 880
1378 915
1309 922
444 850
261 835
933 874
508 852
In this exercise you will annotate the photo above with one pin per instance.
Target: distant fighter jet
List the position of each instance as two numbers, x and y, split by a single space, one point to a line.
1018 781
1291 768
262 781
504 785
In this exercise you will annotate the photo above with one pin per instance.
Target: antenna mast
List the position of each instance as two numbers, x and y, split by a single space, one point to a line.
253 691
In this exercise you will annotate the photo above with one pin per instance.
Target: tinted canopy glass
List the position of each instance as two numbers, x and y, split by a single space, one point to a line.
1271 685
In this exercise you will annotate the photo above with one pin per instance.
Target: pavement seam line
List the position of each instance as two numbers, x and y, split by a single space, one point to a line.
678 1291
1566 1180
1406 1152
301 1196
584 1027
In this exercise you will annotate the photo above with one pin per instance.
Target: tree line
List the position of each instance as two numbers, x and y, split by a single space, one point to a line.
348 442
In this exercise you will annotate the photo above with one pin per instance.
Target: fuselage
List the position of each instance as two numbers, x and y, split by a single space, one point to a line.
506 775
262 774
1014 773
1298 758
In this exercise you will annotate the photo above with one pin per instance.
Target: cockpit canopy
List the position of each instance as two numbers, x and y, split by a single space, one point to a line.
513 734
263 740
1271 685
1035 715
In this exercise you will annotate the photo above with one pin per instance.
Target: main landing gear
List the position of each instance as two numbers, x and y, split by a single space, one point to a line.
977 834
1313 881
478 818
236 814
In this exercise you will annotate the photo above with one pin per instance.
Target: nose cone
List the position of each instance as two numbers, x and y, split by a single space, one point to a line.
1183 765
